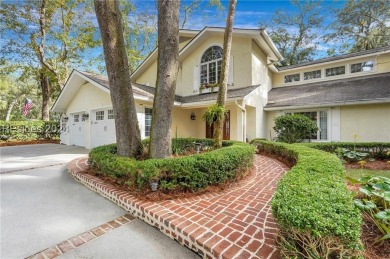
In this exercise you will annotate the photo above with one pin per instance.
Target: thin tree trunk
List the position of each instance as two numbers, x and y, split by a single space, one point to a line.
10 108
168 65
126 123
45 88
222 93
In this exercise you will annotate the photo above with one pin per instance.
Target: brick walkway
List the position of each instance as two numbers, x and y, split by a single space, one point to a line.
236 223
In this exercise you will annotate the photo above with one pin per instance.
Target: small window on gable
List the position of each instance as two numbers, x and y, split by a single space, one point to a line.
312 75
362 67
100 115
110 114
292 78
76 118
335 71
210 65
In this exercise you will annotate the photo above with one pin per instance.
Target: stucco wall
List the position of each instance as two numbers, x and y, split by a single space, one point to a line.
370 122
149 77
383 63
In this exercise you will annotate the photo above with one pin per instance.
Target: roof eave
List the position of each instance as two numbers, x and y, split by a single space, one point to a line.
296 107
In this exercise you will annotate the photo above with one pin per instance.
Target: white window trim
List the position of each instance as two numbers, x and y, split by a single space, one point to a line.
200 59
151 108
323 77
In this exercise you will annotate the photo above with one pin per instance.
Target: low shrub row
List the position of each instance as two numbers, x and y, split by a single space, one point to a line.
28 130
312 205
376 150
187 173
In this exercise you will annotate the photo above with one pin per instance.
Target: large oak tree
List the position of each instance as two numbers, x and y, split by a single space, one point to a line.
126 124
167 69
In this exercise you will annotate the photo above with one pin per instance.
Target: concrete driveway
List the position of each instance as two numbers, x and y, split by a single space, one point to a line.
41 206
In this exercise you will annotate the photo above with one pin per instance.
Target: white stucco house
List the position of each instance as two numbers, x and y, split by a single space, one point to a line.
344 94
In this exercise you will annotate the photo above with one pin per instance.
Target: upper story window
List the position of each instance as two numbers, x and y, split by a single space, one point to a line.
312 75
100 115
210 65
76 118
362 67
292 78
335 71
110 114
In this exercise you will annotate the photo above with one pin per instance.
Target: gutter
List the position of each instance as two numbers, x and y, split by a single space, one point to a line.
387 100
244 120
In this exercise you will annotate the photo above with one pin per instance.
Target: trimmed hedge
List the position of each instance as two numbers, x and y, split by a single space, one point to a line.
312 205
29 130
187 173
375 149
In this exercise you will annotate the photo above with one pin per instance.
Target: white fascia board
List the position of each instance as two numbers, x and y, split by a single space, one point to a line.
334 61
378 101
149 59
54 107
271 44
101 87
207 103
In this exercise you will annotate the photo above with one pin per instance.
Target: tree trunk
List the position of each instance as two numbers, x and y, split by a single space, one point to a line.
126 123
222 93
168 65
10 108
45 88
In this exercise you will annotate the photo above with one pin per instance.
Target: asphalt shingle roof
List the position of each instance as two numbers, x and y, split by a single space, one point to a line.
324 60
359 89
148 91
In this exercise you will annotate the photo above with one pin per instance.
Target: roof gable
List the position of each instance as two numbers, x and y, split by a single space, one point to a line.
258 35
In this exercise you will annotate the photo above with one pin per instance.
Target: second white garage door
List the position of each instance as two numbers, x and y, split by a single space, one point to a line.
102 127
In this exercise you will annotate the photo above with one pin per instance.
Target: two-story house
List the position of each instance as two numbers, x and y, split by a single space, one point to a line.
344 95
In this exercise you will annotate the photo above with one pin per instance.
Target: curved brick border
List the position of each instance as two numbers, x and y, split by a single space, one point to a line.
236 223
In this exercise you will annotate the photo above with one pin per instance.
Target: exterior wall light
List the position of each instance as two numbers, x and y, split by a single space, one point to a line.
193 116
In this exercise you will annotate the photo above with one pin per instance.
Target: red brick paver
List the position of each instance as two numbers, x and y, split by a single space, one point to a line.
235 223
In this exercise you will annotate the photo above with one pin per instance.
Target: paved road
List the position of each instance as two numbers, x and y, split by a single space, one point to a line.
41 205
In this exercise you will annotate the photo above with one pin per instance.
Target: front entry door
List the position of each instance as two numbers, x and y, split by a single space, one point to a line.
226 128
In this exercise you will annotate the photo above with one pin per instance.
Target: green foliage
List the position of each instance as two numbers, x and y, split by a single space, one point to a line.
376 202
292 128
376 150
188 173
214 113
313 201
350 155
295 31
361 25
29 130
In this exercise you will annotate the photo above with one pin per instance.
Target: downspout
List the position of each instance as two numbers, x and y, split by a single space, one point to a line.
244 120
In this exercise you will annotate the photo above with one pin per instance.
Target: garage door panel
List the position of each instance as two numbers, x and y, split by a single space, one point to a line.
77 131
102 129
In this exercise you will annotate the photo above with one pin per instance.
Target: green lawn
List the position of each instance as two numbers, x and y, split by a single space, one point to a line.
357 173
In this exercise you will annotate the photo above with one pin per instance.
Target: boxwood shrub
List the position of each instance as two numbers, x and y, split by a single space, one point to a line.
29 130
312 205
187 173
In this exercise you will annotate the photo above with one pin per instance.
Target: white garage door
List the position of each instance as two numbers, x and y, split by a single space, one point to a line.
77 130
102 128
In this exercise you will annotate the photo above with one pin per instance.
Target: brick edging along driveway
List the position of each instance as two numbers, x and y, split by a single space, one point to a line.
235 223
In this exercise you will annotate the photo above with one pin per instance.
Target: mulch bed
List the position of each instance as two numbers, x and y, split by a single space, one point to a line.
32 142
370 233
158 195
371 165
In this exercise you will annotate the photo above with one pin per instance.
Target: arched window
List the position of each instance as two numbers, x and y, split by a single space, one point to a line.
210 65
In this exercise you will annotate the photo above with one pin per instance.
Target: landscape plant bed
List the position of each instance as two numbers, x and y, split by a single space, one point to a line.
175 176
149 195
31 142
371 165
